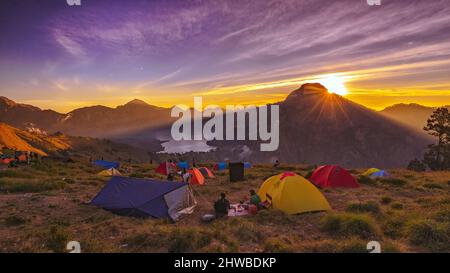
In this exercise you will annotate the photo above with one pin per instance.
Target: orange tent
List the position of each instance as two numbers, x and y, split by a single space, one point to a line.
196 177
206 172
22 157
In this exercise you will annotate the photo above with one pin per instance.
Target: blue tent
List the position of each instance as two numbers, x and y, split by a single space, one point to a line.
145 197
247 165
107 164
183 165
380 173
220 166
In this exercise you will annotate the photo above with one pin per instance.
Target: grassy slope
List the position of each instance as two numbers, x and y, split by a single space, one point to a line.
20 140
14 138
41 208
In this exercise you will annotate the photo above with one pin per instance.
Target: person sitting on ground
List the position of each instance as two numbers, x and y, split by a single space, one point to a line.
221 206
277 164
254 198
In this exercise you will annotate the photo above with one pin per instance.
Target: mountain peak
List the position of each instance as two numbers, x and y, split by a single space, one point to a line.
308 89
7 101
313 87
137 102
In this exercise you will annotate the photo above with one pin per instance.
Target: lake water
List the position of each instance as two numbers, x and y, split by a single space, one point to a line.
185 146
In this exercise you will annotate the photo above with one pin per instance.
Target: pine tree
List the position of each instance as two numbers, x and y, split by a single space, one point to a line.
437 157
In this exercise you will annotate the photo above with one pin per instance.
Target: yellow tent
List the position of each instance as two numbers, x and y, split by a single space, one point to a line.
293 194
110 172
371 171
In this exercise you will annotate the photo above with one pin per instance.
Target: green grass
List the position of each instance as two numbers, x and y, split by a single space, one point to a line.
347 224
393 227
145 241
248 232
14 220
363 207
188 240
443 215
276 245
385 200
353 245
429 234
365 180
56 239
29 185
433 186
15 174
273 216
397 205
396 182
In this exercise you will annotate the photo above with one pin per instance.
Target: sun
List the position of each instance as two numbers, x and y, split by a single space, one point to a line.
334 84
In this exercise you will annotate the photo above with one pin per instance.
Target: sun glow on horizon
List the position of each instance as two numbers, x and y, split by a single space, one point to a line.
334 84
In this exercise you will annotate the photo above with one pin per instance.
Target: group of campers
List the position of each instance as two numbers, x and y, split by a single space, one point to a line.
183 171
13 158
253 203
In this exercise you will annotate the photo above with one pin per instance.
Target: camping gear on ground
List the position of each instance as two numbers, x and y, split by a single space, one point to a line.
220 166
110 172
206 172
164 167
208 218
106 164
247 165
252 209
292 194
196 177
238 210
183 165
236 170
380 173
333 176
146 198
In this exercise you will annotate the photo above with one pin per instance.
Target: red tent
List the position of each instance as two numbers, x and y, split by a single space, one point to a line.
333 176
196 177
163 168
6 161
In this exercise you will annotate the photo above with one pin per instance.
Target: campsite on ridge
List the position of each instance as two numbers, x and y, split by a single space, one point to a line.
48 204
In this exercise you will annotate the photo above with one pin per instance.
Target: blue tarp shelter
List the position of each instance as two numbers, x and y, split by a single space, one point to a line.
145 198
183 165
247 165
220 166
107 164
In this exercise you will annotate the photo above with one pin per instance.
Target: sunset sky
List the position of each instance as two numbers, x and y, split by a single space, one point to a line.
239 52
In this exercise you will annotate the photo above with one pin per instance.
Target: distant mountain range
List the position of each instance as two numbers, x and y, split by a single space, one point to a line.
316 127
413 115
94 121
